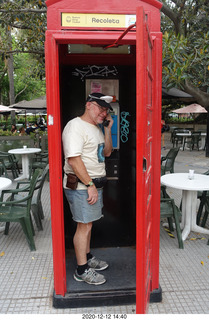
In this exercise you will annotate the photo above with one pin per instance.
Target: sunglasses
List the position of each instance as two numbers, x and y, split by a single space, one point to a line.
102 109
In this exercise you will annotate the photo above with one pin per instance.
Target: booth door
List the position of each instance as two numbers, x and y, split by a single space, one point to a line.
144 159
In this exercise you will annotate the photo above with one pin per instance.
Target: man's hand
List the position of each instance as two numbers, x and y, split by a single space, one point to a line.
111 121
93 194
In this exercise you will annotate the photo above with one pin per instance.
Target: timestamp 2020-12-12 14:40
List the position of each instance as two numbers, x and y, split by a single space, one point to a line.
92 316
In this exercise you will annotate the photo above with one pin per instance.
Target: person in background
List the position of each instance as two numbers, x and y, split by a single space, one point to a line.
162 134
22 131
29 128
41 121
164 127
85 148
14 128
32 128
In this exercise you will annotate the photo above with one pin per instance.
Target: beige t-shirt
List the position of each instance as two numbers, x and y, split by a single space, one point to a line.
84 139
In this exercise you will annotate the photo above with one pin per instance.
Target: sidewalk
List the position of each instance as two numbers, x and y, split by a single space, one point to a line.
27 277
184 274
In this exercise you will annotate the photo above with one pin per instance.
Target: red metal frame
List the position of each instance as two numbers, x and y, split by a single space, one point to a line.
143 174
140 252
148 231
54 37
157 98
55 163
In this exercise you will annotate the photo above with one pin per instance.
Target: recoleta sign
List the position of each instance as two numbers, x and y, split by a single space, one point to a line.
97 20
107 20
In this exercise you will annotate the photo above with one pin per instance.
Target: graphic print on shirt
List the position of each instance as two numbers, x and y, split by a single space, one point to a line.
100 152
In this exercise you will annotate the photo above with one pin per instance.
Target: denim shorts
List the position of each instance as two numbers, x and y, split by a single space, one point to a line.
81 210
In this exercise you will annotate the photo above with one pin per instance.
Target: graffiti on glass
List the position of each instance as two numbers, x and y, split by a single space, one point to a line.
124 126
95 71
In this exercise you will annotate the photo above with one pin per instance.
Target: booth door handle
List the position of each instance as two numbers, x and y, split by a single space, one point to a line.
144 164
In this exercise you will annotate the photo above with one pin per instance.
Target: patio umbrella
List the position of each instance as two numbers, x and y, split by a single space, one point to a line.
192 108
35 106
5 109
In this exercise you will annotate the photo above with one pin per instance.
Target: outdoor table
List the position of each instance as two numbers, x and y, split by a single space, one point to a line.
184 135
24 152
189 198
4 184
203 137
188 134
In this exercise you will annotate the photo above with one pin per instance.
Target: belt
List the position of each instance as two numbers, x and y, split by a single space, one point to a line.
99 182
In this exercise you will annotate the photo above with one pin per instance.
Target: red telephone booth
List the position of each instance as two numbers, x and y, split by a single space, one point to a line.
116 47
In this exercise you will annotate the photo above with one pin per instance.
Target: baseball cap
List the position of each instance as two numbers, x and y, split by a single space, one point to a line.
101 99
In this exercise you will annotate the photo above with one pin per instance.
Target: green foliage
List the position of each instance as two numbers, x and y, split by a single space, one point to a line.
28 77
186 51
185 26
28 22
7 133
25 22
186 59
179 120
29 81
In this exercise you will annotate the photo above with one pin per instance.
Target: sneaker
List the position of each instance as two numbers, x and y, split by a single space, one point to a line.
97 264
90 276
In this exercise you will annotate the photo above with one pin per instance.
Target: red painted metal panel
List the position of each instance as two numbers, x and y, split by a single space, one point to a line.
154 3
55 163
155 232
144 160
121 4
92 37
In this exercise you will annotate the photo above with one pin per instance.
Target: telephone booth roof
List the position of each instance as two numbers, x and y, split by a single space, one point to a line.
56 7
126 5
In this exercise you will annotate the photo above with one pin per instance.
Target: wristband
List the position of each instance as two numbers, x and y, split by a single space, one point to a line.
90 184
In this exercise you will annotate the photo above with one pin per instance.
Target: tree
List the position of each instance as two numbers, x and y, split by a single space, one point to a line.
27 18
25 22
185 28
186 51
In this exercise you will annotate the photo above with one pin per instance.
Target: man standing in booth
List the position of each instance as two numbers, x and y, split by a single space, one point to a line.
85 148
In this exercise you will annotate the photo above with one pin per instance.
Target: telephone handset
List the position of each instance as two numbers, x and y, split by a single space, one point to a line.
106 123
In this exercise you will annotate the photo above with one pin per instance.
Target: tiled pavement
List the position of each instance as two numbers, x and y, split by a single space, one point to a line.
26 278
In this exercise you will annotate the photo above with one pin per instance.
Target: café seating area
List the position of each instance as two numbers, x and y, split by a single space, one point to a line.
22 202
188 138
193 209
27 276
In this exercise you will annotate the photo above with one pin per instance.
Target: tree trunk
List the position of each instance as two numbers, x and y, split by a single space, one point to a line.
10 67
207 138
200 96
11 79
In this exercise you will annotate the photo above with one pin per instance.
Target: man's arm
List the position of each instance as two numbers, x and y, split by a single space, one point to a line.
80 171
108 137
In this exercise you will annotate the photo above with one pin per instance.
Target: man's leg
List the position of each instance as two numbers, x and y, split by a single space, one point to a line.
82 245
81 242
